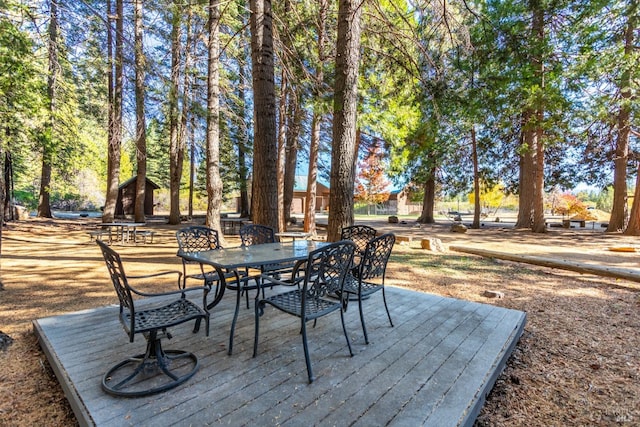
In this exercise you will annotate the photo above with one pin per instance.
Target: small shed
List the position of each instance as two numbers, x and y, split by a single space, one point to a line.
125 205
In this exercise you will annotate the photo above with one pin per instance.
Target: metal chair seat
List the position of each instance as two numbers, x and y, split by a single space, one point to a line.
172 314
291 302
363 288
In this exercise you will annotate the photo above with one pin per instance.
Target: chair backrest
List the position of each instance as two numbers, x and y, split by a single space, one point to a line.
256 234
376 256
360 235
326 269
197 238
121 285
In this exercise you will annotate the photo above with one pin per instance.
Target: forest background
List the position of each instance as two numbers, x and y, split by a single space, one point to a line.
449 97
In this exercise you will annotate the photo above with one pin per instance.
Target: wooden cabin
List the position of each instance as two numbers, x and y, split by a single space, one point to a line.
125 205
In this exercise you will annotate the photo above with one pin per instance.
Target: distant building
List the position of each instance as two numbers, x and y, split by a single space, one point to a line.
399 203
125 205
300 196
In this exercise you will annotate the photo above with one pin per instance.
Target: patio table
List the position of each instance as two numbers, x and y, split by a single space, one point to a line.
232 259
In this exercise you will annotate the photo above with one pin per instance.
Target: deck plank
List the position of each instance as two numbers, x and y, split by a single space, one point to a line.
434 367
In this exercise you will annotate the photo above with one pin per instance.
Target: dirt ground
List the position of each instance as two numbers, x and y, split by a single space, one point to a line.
577 363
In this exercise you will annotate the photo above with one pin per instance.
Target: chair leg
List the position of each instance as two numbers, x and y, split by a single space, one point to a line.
364 328
235 317
307 359
156 360
344 329
384 298
258 312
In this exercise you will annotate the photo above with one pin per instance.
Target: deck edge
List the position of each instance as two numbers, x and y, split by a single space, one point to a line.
75 401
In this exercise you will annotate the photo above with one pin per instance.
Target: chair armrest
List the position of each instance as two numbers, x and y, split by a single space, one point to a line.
159 294
182 292
297 266
294 281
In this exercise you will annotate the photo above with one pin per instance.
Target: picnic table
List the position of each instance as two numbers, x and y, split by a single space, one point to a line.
233 225
123 231
294 235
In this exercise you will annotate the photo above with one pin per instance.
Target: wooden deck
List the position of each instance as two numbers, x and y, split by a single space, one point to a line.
434 368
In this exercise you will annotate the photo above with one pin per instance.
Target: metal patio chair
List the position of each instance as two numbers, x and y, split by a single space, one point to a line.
256 234
360 235
324 273
197 238
368 277
156 370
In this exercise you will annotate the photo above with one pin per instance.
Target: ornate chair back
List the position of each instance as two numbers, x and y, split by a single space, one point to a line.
197 238
256 234
360 235
376 256
121 285
325 271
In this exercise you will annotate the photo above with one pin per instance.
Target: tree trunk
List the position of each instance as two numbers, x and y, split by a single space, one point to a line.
344 118
264 200
531 207
141 126
624 117
616 220
428 201
296 115
192 162
243 143
214 182
4 156
316 121
176 155
8 207
186 97
538 224
44 202
312 177
476 179
282 144
526 181
115 111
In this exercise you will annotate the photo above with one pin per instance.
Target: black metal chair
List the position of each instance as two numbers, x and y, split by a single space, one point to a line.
324 273
256 234
197 238
156 370
360 235
368 277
